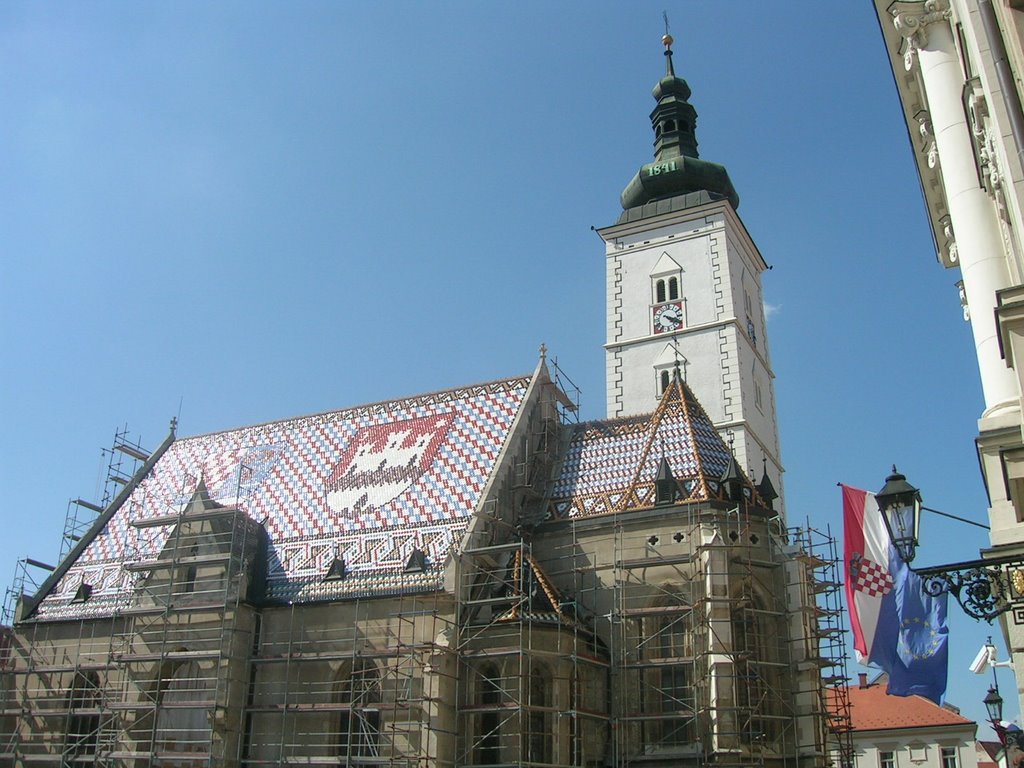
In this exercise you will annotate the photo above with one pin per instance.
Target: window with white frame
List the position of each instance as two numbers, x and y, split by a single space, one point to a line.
886 759
949 758
666 279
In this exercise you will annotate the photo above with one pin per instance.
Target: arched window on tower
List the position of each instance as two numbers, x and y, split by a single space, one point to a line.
659 291
81 733
358 734
488 738
664 379
673 288
670 125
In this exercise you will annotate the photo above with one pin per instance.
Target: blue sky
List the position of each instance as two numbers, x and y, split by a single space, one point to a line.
247 212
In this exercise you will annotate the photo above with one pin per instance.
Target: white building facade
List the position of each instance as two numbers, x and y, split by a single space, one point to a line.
957 66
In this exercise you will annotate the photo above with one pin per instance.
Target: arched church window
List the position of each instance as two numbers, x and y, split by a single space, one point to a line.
81 733
659 291
665 378
182 725
488 741
670 125
669 650
538 732
657 130
358 687
756 672
673 288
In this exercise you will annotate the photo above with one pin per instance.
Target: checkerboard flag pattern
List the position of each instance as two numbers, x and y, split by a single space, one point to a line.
896 626
869 577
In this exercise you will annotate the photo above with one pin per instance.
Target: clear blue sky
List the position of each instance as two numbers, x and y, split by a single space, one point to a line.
255 211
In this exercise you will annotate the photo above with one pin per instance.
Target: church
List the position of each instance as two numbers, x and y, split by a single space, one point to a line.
471 577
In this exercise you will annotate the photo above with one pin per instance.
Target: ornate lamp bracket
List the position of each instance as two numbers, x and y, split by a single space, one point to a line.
985 589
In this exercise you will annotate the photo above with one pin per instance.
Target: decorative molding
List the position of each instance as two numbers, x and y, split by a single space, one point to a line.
924 124
911 20
952 256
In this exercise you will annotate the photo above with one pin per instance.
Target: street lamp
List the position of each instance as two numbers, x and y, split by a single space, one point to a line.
900 505
984 588
994 706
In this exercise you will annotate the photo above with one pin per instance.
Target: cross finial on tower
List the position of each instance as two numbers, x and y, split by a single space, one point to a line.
543 352
667 41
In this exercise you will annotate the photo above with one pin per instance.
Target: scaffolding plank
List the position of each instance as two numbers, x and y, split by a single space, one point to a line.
193 517
648 562
164 565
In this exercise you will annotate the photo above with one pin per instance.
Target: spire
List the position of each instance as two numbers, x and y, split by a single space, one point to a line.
674 119
677 168
732 479
667 40
665 484
765 488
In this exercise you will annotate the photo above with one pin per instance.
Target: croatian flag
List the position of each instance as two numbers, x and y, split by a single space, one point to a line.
896 626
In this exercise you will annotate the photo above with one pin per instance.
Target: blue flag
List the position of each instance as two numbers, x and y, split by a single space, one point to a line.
911 642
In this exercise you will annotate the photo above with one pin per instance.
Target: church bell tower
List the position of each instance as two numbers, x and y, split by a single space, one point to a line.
684 288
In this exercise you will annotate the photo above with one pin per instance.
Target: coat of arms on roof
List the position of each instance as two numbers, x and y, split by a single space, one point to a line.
382 461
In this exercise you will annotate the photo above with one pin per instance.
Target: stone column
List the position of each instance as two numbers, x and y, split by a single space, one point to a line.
929 44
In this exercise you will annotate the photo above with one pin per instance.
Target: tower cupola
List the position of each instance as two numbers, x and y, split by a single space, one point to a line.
677 168
674 119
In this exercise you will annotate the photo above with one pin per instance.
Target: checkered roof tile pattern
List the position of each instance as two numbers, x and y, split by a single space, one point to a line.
368 484
608 462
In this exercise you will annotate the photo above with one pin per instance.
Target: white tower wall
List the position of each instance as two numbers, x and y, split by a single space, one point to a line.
722 342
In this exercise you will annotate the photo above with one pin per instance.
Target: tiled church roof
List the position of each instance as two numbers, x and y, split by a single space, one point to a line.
612 465
349 499
368 485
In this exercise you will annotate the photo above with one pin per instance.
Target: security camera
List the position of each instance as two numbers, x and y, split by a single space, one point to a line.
985 658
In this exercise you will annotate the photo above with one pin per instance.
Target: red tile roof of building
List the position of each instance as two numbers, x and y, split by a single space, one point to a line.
872 709
988 753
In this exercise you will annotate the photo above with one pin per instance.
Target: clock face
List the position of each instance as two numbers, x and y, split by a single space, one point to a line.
668 317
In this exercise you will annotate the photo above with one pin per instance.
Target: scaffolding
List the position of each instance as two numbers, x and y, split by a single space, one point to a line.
703 633
532 676
819 585
688 613
124 458
359 683
152 675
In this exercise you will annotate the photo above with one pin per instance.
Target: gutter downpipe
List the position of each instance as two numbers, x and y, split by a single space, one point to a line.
1003 74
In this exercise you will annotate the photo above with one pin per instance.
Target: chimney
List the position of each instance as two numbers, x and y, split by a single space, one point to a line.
863 679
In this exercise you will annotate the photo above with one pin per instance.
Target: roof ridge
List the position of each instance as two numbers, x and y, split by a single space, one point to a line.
361 406
668 397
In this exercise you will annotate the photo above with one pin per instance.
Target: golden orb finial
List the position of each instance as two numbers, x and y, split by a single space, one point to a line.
667 40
